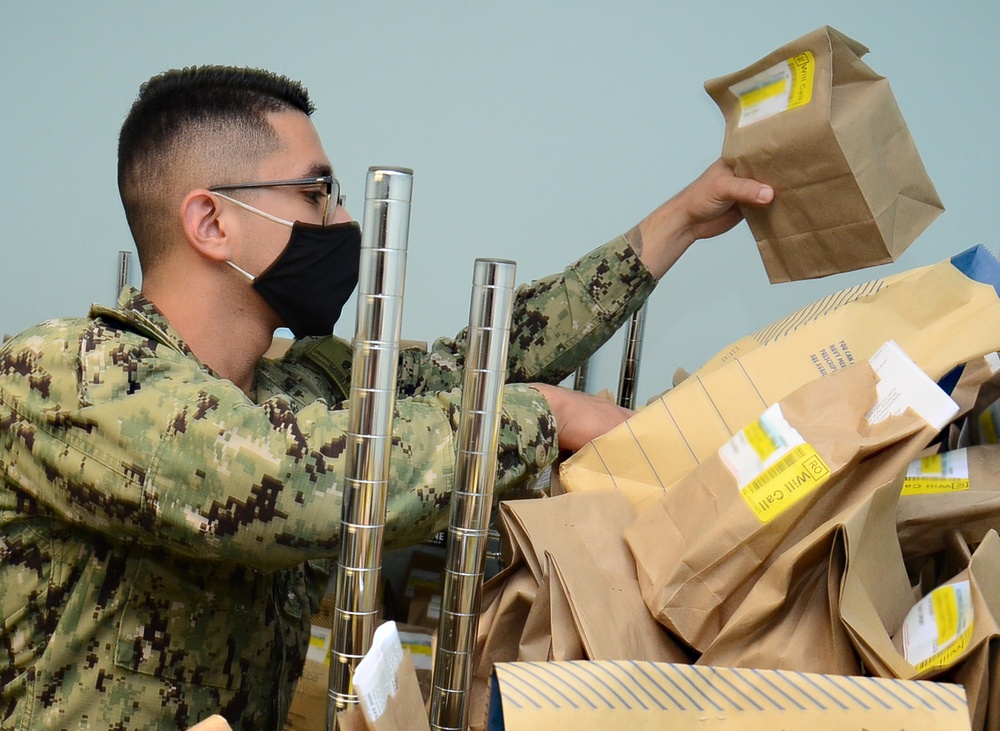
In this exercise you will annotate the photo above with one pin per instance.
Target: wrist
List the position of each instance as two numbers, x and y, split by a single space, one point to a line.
662 237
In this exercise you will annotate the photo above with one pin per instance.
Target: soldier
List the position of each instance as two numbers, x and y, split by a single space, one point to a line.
168 498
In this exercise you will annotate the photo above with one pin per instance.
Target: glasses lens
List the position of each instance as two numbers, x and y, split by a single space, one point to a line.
336 199
332 190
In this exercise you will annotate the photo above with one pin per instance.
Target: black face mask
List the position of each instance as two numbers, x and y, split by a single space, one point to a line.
313 277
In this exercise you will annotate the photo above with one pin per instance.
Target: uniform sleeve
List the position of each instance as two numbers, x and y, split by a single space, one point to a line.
136 441
557 322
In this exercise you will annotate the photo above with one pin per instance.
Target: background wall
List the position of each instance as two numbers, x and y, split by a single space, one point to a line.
536 131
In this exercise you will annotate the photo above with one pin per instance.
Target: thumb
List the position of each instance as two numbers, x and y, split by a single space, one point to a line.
749 191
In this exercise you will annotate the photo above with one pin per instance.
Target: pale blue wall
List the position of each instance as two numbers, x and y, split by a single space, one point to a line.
536 130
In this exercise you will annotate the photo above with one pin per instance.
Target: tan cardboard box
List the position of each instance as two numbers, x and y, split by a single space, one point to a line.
423 585
646 696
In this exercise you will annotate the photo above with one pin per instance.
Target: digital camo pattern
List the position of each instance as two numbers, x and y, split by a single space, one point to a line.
557 323
162 536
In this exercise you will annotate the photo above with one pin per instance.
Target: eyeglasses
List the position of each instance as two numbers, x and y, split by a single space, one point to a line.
325 185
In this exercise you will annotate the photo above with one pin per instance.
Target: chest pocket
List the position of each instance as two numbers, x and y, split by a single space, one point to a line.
198 623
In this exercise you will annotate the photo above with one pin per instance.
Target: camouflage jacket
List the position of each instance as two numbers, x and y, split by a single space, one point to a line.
161 533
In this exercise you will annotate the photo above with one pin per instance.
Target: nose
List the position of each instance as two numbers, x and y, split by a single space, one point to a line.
340 215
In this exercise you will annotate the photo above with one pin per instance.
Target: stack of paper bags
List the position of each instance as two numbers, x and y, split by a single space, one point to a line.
809 500
569 591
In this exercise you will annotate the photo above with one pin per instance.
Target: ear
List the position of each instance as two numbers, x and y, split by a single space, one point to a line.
205 229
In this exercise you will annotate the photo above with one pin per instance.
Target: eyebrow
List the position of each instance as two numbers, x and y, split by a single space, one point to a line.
318 170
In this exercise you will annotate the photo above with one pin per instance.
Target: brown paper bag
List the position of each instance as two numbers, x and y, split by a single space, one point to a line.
535 644
984 420
978 675
508 599
578 541
571 593
979 377
405 710
976 670
944 493
386 683
952 633
700 549
549 632
816 123
352 719
922 310
790 620
967 383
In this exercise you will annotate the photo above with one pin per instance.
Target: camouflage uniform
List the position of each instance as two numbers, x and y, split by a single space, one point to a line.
161 533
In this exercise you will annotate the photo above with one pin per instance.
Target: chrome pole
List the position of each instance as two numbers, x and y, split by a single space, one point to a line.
581 376
629 374
124 258
472 496
372 399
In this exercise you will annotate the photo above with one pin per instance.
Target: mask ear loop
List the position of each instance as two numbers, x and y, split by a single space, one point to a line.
259 212
250 208
244 272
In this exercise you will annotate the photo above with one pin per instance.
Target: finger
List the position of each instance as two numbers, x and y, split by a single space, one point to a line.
212 723
746 191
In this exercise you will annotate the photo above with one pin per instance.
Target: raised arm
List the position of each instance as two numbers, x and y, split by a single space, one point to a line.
707 207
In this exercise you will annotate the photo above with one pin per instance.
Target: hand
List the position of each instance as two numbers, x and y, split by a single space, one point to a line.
212 723
705 208
581 417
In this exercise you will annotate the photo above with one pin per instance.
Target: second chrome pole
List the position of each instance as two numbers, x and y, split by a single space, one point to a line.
472 496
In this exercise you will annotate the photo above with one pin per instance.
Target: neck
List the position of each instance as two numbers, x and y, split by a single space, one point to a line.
228 334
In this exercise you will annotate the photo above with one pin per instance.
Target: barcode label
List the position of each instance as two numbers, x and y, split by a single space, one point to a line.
785 483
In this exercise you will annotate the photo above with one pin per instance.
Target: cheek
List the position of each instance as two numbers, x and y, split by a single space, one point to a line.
263 245
270 250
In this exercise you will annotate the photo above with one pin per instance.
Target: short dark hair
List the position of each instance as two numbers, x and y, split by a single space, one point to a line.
214 114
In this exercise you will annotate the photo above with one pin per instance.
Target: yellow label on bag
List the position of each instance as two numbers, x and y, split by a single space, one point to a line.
933 485
945 613
772 464
939 627
785 483
947 657
938 473
775 90
988 425
802 68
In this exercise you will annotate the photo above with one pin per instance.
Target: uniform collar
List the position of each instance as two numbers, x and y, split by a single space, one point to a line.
136 311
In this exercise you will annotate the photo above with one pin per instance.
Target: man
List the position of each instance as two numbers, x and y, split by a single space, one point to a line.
167 496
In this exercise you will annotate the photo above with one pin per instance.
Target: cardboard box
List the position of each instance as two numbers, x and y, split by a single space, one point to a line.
308 709
644 696
423 586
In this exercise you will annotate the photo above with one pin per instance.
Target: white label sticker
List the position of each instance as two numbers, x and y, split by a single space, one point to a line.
754 449
775 90
945 466
773 465
903 385
375 676
938 473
